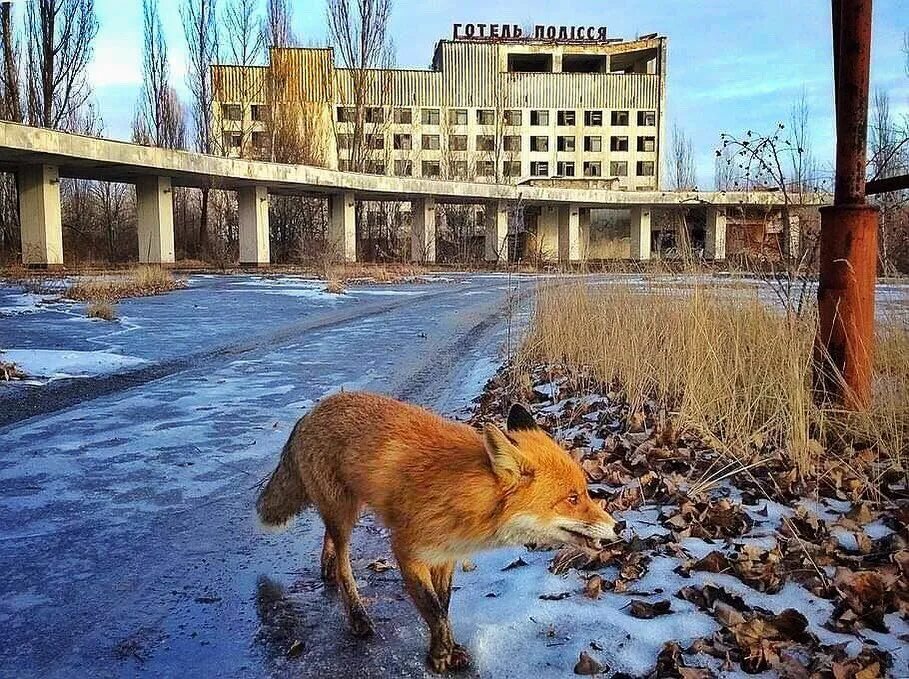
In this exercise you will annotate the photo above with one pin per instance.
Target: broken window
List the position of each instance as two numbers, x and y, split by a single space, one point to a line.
618 143
458 142
402 142
519 62
430 116
645 168
618 168
403 116
565 168
565 144
646 118
430 142
584 63
593 168
539 168
457 116
539 118
646 143
620 118
593 144
566 118
539 143
593 118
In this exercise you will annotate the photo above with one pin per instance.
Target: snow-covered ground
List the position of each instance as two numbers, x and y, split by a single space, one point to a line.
127 538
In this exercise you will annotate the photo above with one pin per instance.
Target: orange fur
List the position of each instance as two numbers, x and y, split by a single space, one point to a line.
443 490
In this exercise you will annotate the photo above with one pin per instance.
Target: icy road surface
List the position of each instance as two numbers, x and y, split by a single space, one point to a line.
127 539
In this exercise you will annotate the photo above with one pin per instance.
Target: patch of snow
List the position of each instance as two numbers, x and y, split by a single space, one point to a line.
58 364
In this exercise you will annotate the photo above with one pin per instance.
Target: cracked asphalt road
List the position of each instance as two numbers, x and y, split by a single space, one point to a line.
127 537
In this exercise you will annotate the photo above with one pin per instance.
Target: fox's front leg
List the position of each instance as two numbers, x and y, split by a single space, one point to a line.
444 654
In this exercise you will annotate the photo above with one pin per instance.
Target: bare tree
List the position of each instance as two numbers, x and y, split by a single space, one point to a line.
278 21
10 109
200 29
804 169
245 41
682 170
888 155
10 102
159 113
358 30
59 37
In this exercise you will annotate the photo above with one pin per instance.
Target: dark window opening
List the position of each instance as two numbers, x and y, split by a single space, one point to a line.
584 63
530 63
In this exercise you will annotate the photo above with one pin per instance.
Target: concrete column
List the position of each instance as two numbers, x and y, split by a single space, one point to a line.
569 233
423 229
342 225
640 233
155 211
497 232
548 232
716 234
39 216
584 232
254 234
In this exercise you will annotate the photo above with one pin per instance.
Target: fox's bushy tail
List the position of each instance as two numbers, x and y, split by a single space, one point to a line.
284 495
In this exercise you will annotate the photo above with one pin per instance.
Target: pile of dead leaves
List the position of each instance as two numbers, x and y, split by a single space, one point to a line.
637 459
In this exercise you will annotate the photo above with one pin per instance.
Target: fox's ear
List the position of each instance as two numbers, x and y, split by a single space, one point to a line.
508 464
520 419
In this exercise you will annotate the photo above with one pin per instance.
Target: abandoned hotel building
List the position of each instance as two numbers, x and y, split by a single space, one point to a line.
564 106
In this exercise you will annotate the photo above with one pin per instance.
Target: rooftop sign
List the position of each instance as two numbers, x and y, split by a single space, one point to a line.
514 32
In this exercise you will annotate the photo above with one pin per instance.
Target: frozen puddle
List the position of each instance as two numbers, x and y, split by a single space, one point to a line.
58 363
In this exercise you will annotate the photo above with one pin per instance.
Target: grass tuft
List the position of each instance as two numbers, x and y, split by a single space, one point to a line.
101 308
720 363
142 281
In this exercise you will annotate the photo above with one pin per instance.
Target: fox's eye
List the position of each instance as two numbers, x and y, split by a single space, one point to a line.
574 498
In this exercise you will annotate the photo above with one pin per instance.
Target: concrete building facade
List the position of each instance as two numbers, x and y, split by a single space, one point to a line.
495 106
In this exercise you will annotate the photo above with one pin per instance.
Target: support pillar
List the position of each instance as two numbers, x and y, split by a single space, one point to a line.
548 232
569 233
715 245
497 232
423 229
155 211
39 216
342 226
640 233
584 232
255 249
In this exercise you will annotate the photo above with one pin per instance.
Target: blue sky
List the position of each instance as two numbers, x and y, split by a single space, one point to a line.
733 65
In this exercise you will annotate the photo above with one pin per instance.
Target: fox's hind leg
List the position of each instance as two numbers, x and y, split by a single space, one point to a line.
329 561
338 531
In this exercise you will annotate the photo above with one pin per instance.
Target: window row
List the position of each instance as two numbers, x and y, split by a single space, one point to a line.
487 116
486 168
593 168
235 112
487 142
234 140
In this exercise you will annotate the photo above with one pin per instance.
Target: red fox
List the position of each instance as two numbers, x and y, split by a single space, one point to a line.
443 489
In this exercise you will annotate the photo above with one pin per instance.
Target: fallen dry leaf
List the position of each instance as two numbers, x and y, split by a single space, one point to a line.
588 666
646 610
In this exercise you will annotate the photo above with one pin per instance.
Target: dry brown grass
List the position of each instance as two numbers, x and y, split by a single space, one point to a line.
101 308
142 281
722 364
335 286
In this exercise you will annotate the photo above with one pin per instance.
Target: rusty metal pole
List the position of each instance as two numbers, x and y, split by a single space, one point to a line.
848 249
